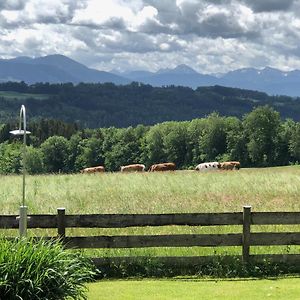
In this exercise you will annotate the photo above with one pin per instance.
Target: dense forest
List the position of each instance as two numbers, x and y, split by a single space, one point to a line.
259 139
105 105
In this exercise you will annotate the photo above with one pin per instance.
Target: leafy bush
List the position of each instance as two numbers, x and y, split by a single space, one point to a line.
41 270
219 267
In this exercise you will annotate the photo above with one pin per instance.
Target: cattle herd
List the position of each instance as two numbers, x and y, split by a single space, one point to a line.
203 167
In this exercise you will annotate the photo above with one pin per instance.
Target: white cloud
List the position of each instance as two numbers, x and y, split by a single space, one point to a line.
211 36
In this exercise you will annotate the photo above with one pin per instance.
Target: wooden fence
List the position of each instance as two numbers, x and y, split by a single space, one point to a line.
245 239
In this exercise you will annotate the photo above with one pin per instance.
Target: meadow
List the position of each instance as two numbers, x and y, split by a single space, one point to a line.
269 189
22 96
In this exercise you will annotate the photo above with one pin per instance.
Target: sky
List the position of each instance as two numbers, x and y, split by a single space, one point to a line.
210 36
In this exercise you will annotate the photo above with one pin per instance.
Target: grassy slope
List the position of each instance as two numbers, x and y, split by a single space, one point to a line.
21 96
272 189
195 289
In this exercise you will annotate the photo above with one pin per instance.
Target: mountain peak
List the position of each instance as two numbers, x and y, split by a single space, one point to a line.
180 69
185 69
56 59
268 69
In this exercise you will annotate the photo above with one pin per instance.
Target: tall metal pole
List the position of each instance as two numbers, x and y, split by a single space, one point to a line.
23 208
24 148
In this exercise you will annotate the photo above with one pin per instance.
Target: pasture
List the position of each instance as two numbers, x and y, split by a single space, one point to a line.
22 96
270 189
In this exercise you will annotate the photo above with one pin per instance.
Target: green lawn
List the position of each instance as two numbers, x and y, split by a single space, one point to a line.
188 289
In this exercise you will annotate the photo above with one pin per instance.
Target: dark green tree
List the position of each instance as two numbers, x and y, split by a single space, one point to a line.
213 138
55 154
34 160
294 142
10 158
262 128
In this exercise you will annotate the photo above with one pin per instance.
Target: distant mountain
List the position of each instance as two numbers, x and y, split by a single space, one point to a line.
53 69
136 75
60 69
269 80
180 69
181 75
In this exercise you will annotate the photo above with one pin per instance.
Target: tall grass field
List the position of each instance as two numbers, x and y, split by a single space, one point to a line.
266 189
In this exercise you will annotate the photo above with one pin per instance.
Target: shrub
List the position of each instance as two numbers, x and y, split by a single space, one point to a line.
41 270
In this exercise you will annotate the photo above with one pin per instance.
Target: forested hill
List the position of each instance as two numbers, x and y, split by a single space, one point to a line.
104 105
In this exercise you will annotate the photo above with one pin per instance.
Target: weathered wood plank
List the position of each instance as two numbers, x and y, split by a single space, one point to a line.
132 220
246 233
9 221
34 221
274 238
42 221
266 218
142 241
61 222
139 220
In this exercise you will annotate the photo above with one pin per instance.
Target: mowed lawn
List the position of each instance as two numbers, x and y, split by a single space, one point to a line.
192 289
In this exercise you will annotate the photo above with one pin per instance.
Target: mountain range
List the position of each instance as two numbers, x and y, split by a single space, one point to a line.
61 69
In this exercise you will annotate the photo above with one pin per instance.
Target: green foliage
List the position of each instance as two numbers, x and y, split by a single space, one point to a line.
153 146
260 139
56 154
219 267
41 270
125 150
261 128
10 158
104 105
213 138
34 160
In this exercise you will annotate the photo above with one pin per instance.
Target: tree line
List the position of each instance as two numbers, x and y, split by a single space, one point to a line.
95 105
259 139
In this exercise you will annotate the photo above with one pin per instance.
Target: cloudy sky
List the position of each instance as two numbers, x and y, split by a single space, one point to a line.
210 36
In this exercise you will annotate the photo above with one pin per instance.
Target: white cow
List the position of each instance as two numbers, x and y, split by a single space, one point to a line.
208 166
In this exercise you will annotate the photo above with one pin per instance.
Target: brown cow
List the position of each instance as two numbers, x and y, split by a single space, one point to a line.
230 165
133 168
162 167
92 170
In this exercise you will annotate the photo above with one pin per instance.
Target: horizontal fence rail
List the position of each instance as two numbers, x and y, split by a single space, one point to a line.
142 241
125 220
246 219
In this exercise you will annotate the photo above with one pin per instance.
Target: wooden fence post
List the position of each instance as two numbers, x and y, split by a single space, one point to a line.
246 233
61 223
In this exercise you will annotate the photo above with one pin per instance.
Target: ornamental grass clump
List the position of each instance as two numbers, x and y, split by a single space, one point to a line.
32 270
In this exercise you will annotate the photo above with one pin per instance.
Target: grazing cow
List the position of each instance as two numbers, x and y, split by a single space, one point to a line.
162 167
133 168
230 165
208 166
98 169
